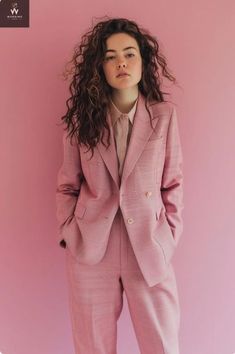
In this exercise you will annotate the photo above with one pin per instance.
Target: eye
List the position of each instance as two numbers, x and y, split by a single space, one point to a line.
107 58
112 56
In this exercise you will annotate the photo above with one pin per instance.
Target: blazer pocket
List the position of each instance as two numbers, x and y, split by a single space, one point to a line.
80 210
95 161
156 137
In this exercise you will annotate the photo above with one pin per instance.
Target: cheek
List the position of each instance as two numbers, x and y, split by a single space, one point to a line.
108 73
138 68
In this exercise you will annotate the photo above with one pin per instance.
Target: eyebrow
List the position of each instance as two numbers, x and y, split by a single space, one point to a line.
112 50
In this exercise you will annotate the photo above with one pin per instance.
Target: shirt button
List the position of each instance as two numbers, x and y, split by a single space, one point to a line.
148 194
124 115
130 220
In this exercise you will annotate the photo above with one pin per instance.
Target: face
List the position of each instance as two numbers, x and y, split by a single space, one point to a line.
122 54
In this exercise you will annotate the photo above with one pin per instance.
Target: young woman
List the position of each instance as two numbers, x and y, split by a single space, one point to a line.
120 191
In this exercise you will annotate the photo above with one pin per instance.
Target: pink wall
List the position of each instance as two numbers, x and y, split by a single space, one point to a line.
198 39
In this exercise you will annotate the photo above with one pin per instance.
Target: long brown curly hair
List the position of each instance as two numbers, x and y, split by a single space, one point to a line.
88 104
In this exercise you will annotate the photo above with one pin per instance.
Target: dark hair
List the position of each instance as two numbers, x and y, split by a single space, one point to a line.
90 92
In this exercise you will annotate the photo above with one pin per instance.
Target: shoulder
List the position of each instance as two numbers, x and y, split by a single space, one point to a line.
162 108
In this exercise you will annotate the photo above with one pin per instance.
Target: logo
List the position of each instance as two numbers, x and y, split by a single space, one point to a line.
14 8
14 13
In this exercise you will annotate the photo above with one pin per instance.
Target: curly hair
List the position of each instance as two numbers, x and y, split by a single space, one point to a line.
88 104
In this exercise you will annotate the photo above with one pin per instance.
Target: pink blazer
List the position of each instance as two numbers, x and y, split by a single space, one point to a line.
149 192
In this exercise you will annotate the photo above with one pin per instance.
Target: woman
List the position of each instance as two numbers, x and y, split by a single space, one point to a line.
120 191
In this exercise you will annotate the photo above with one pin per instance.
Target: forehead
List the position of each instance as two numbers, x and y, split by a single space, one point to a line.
121 42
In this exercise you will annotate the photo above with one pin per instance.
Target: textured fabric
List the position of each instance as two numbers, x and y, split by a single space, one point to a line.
96 300
122 126
149 192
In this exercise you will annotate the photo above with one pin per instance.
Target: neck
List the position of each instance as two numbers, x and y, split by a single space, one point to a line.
124 100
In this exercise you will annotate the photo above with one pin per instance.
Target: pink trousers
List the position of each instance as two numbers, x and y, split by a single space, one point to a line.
96 300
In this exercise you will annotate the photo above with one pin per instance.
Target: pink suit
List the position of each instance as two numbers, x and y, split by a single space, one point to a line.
121 233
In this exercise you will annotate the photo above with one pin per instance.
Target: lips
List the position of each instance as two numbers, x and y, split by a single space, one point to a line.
122 74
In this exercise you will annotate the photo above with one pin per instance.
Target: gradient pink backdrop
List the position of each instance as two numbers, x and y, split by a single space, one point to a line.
198 39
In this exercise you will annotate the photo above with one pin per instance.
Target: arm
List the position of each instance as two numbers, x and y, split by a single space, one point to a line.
68 185
172 179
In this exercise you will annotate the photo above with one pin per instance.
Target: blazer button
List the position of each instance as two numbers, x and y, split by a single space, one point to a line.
130 220
148 194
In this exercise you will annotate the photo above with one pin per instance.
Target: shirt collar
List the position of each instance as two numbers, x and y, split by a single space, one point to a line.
115 113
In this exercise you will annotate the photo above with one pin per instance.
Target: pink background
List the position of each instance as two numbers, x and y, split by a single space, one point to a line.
198 39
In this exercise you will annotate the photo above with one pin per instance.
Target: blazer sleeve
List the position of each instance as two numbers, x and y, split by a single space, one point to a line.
69 180
172 178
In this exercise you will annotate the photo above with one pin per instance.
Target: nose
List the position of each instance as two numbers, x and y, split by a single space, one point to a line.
121 64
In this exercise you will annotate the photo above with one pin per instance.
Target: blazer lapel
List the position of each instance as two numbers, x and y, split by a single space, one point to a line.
140 134
110 155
